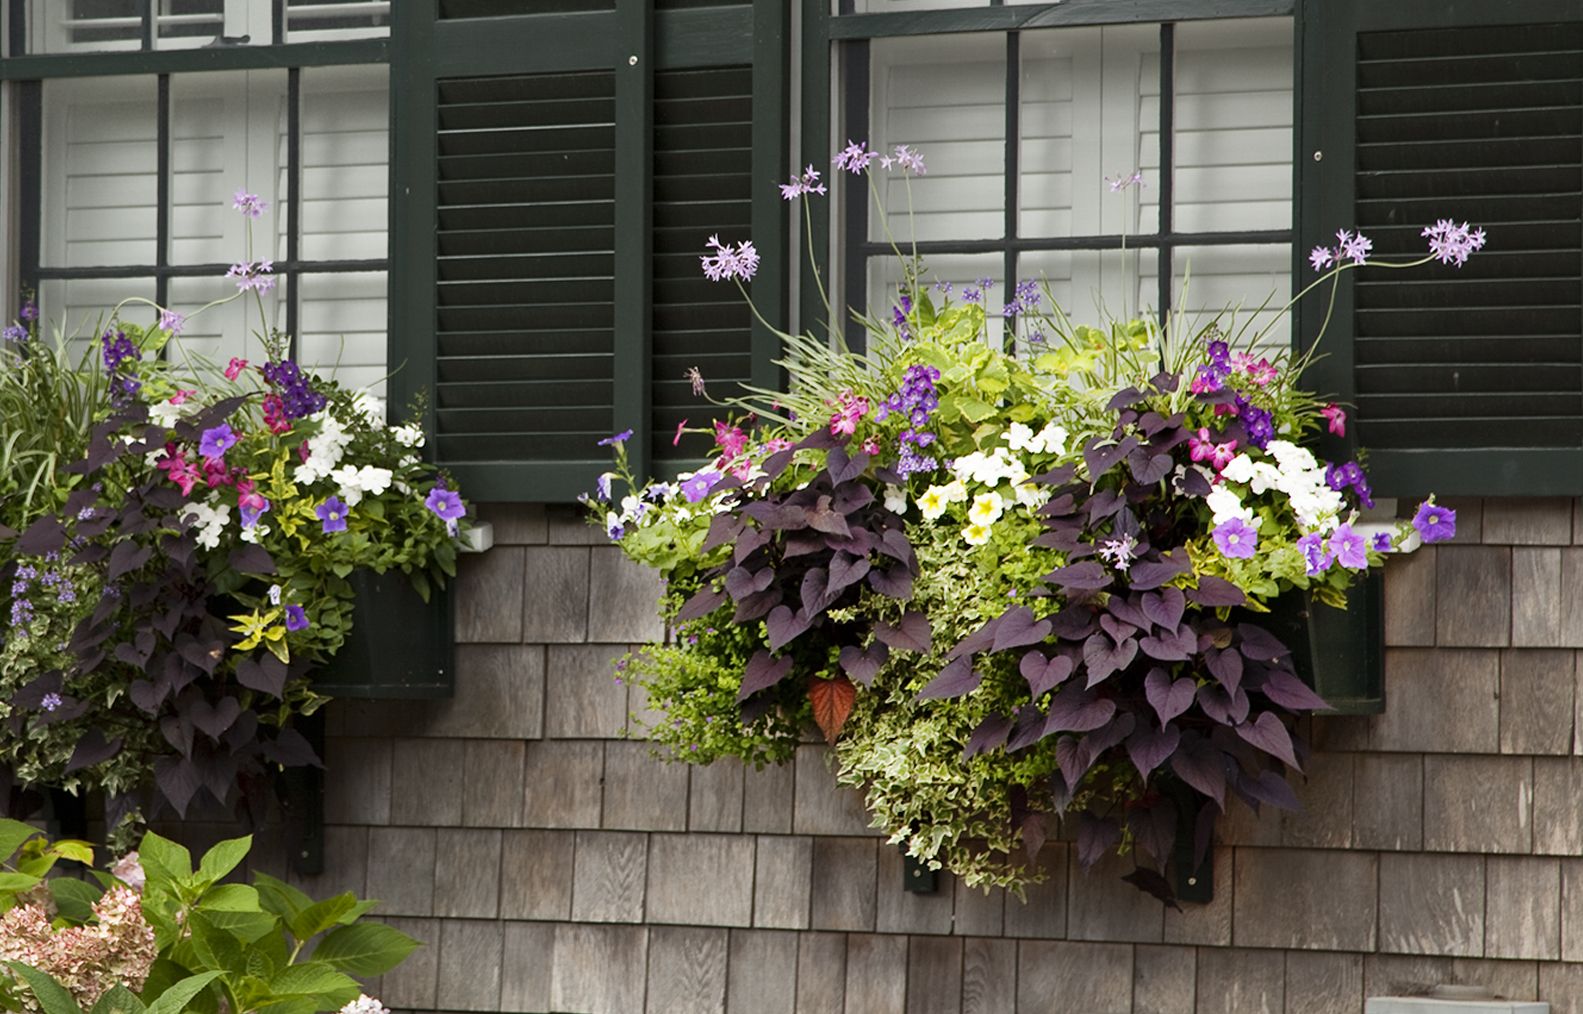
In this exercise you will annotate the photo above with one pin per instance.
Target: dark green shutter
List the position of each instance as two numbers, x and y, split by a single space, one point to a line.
556 174
1465 381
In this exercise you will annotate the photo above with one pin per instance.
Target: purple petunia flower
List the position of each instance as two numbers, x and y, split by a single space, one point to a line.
447 506
698 486
1349 548
296 618
251 513
217 441
1382 542
333 513
619 438
1435 523
1315 555
1236 539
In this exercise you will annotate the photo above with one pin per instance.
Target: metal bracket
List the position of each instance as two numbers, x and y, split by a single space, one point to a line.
917 877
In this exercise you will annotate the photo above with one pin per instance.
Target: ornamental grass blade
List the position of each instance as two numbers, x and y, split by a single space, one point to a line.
832 702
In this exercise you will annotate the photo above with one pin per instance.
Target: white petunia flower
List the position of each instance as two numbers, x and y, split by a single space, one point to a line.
987 509
975 534
1020 437
209 521
1052 439
954 491
1224 504
374 480
371 408
408 435
933 502
895 499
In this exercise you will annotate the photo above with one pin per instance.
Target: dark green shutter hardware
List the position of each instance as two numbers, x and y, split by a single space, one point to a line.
916 876
400 647
1338 652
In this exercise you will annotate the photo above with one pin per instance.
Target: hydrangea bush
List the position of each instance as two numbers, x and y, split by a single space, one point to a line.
1012 582
165 613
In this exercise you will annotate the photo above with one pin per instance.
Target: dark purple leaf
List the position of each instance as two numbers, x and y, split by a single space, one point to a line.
1095 838
1074 710
1259 644
1269 787
1226 666
845 570
92 749
214 719
1168 699
1028 730
1292 693
863 665
1147 574
127 556
1018 629
706 601
783 625
957 678
1154 828
1055 476
205 655
251 559
777 516
252 675
742 582
1118 629
1176 646
1074 623
1203 767
1269 734
979 640
753 539
763 671
43 536
290 749
991 733
756 605
1224 707
1089 575
723 528
1149 469
895 582
1076 756
815 593
893 543
1044 673
1101 457
1124 398
1150 882
1101 658
861 542
1103 504
776 463
1033 835
823 517
1149 747
852 497
1216 591
913 633
1164 608
843 468
1195 484
178 780
1166 382
1126 608
803 543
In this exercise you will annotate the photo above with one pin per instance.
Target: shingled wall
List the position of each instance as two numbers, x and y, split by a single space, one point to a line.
551 864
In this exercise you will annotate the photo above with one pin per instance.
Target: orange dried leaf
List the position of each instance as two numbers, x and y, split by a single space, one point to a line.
832 703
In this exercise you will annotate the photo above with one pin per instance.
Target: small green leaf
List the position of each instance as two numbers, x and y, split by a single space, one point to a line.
216 948
174 1000
368 948
15 883
12 834
52 996
279 897
76 851
163 860
224 857
118 1000
74 898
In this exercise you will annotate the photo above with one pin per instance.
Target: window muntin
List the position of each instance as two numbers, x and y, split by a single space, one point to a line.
88 26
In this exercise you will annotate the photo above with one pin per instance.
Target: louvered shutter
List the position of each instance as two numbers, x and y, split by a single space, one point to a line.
1465 381
557 175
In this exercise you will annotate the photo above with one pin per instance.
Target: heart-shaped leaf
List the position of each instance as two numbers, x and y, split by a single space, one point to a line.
1129 609
1213 592
991 733
1176 646
1154 828
250 559
815 593
92 748
756 605
912 633
126 557
845 570
1225 708
214 719
832 703
1269 734
957 678
706 601
1018 629
1028 730
1074 623
1149 469
863 665
1290 692
1100 457
896 582
1259 644
253 676
1043 673
1118 629
783 625
1202 766
723 528
1226 666
1269 787
1095 838
1101 658
1148 574
763 671
979 640
1149 747
1167 698
1074 710
1164 608
742 582
1089 575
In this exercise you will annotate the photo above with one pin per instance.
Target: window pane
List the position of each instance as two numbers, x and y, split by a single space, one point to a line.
100 165
343 327
345 163
1212 279
74 26
962 272
946 97
230 329
316 20
77 310
226 131
1233 125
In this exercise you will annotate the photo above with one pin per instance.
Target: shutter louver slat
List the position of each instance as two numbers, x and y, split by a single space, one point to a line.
1486 125
526 266
702 186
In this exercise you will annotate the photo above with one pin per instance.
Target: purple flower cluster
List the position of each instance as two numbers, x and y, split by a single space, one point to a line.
1259 423
117 350
727 262
15 332
1349 246
906 159
1451 243
1340 477
1211 375
297 395
800 186
898 316
248 204
1124 180
855 157
253 275
916 400
976 295
1025 299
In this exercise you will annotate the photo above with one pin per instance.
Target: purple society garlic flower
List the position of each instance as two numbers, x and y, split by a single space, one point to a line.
855 157
1435 523
217 441
800 186
1450 243
248 204
728 263
170 320
908 160
256 275
333 513
1349 548
1236 539
296 618
447 506
1124 180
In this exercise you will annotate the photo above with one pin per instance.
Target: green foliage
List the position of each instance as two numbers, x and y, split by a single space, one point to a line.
27 857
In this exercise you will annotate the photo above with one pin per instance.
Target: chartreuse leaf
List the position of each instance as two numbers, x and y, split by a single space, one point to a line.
12 834
224 858
71 848
175 999
163 860
74 898
367 948
279 897
11 883
118 1000
52 996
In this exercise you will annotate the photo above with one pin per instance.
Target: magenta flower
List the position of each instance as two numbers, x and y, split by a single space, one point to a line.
1349 548
1236 539
296 618
1336 417
333 513
698 486
234 368
217 441
1435 523
1315 555
1203 448
855 157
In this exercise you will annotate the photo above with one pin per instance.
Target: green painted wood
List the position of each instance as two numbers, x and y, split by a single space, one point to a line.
634 221
771 158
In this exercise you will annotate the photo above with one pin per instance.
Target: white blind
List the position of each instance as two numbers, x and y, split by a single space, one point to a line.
63 26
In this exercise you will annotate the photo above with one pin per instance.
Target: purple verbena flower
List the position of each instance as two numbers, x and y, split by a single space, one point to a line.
296 618
297 395
333 513
50 701
1435 523
1236 538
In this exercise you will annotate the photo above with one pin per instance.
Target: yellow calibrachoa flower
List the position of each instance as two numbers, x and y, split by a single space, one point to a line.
932 503
975 534
987 509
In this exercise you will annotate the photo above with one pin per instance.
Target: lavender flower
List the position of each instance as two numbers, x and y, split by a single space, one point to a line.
29 310
855 157
695 377
1349 548
1450 243
250 514
1321 258
248 204
1118 552
16 332
296 618
1122 181
1435 523
217 441
1315 555
908 160
1236 539
1356 247
698 486
170 320
447 505
333 514
619 438
1382 542
738 263
801 186
256 275
50 701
